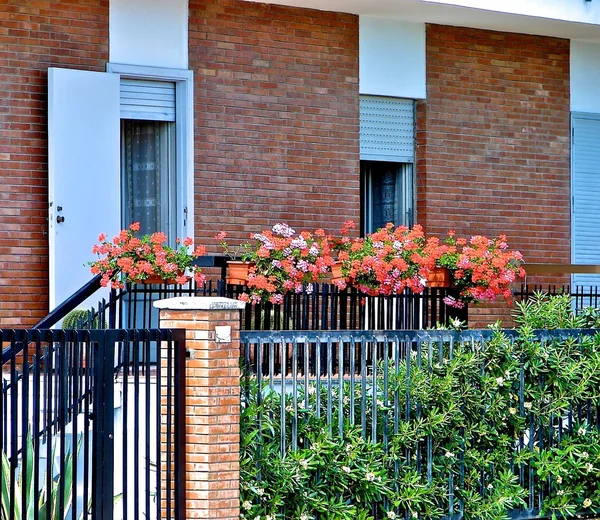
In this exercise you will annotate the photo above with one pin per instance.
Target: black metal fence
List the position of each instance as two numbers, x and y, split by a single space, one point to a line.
318 307
83 413
384 383
582 296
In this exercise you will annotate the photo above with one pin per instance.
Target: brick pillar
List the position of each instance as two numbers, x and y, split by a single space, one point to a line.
212 402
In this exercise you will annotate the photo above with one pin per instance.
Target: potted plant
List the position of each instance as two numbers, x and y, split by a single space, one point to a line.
482 268
144 259
284 261
238 265
340 247
388 261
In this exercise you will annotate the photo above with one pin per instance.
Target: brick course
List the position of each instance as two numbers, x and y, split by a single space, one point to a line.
493 140
276 117
33 37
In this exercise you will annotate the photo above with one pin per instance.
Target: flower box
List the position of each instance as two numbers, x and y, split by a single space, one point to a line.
439 277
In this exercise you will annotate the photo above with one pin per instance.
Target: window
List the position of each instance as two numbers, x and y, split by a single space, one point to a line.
386 194
387 158
156 107
148 176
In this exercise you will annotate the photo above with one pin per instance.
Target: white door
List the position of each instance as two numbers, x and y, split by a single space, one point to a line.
83 173
586 195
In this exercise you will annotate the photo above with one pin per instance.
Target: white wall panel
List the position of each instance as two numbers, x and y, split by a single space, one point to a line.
149 32
585 77
392 58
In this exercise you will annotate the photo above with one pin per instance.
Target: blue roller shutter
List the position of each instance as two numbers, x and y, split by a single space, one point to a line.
586 195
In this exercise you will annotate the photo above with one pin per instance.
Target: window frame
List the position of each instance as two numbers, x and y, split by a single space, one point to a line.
184 132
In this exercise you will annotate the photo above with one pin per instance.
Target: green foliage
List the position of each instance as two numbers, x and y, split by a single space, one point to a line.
472 425
48 507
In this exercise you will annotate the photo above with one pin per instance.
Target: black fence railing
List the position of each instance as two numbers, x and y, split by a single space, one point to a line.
318 307
83 413
582 296
457 423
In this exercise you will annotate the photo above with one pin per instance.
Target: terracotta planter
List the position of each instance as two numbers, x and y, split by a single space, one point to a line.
439 277
238 272
155 279
336 272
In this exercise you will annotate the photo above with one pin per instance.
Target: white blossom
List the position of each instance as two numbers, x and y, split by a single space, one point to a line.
500 381
370 477
527 405
391 514
346 469
587 502
449 454
581 431
247 505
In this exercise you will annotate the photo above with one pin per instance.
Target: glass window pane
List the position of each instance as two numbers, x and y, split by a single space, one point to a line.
148 180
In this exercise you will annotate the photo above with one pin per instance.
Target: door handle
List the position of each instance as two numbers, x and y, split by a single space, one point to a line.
60 219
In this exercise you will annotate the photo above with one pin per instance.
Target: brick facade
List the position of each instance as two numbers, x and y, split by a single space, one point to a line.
276 117
33 37
493 140
277 129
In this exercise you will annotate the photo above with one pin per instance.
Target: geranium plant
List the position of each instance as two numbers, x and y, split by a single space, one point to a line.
139 258
388 261
234 252
483 268
284 261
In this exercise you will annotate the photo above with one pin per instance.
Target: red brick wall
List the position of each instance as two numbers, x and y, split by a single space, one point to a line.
33 37
276 117
493 140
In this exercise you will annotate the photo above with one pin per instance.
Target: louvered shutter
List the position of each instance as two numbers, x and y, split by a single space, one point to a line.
387 129
148 100
586 196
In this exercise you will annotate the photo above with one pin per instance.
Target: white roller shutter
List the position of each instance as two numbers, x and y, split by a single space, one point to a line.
387 129
148 100
586 195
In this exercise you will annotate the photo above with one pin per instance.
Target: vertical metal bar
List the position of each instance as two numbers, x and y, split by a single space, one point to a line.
340 387
374 385
35 423
170 419
329 383
318 377
136 424
363 392
24 418
62 404
147 351
179 425
103 488
294 395
74 422
352 379
283 346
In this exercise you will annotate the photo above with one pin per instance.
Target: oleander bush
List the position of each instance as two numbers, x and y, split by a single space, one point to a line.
474 428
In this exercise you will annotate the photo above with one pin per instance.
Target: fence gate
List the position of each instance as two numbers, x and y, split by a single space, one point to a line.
92 424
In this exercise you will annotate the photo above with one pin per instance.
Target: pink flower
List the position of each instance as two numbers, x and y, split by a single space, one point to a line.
221 235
